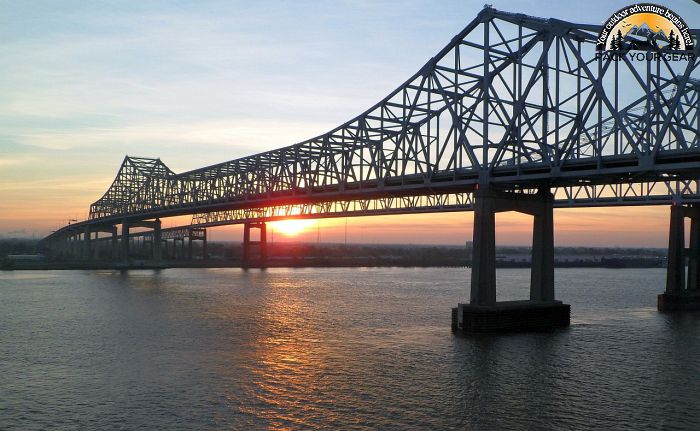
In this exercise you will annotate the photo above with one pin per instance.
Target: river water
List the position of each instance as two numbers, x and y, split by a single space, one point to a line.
350 348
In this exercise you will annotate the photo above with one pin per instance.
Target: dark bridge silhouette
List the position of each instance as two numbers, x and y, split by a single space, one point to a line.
516 113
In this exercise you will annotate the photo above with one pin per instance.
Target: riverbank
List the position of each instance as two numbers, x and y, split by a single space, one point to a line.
311 263
303 255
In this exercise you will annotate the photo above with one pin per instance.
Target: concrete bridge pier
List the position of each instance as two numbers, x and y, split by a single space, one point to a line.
196 234
484 313
125 241
173 252
178 252
682 293
183 255
157 240
73 250
65 247
205 251
156 251
105 247
115 242
87 252
189 245
92 243
249 258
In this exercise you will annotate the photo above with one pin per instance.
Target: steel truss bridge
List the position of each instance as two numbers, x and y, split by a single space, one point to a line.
515 107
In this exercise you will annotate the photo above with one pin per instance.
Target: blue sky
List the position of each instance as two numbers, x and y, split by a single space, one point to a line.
199 82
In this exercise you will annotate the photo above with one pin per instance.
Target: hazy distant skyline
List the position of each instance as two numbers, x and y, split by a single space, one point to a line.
196 83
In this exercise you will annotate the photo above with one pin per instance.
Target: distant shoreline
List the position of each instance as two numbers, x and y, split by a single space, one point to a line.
26 256
307 263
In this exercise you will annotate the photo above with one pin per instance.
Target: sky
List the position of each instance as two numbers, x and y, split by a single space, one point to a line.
82 84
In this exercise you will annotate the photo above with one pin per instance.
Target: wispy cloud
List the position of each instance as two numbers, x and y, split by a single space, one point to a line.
15 160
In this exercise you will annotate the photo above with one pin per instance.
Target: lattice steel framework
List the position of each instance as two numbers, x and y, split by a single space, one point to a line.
139 184
513 100
622 194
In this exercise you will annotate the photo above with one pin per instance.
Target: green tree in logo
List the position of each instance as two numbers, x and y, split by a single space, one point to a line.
672 40
613 44
619 39
616 42
676 42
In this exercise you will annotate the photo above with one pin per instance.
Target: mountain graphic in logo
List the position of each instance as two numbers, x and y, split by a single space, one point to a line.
642 37
645 32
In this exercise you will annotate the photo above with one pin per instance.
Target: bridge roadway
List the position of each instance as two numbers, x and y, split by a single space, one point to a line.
516 113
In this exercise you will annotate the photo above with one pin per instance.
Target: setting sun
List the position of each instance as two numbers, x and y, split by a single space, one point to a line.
292 227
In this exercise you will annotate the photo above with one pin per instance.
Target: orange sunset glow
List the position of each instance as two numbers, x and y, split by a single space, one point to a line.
291 227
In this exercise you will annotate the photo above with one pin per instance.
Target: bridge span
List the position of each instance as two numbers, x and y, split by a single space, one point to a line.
516 113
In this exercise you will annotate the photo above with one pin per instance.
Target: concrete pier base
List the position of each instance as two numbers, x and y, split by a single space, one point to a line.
541 311
510 316
678 301
682 287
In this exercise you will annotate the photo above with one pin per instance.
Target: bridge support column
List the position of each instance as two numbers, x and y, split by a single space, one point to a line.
140 241
125 241
189 244
693 283
197 234
115 243
542 271
183 256
483 282
66 247
157 250
484 313
205 253
74 246
60 247
95 252
249 259
87 243
681 294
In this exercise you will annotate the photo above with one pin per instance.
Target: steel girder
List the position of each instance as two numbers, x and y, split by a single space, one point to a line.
663 192
631 194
